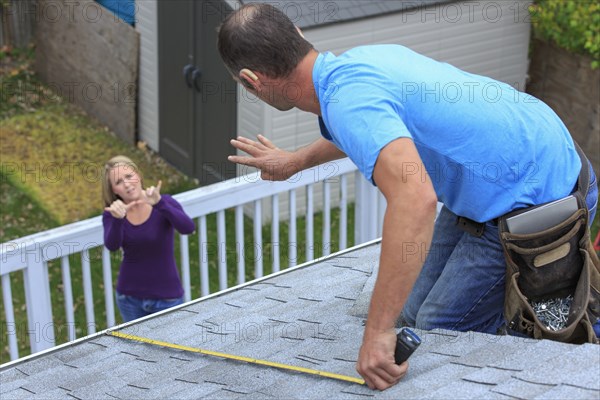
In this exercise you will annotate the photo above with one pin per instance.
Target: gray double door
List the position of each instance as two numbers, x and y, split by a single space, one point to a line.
197 96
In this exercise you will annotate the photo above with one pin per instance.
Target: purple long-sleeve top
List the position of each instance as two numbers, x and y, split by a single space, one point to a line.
148 268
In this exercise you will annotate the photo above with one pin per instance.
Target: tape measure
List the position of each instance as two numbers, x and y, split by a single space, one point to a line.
238 358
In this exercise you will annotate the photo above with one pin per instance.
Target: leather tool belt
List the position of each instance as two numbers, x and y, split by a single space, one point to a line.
554 263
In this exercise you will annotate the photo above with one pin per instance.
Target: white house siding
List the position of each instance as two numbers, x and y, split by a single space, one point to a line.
251 117
147 26
484 37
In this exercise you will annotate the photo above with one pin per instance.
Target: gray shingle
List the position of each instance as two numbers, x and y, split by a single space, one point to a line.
404 389
240 377
170 318
9 386
261 395
467 390
183 389
168 371
11 375
99 389
441 376
301 386
97 359
127 392
497 348
48 379
17 394
520 389
308 13
53 394
372 8
361 306
422 362
567 392
78 352
12 379
489 376
457 344
224 393
311 328
40 364
568 368
532 353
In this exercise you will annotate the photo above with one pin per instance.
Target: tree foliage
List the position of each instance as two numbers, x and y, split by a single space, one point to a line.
573 25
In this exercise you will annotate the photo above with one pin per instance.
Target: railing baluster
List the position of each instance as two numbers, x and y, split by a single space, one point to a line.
108 288
358 204
326 218
310 245
343 212
87 291
292 245
381 206
68 293
258 253
365 210
373 211
37 297
202 247
275 232
11 326
240 244
184 247
221 250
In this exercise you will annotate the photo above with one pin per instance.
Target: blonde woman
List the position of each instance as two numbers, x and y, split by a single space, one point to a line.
141 222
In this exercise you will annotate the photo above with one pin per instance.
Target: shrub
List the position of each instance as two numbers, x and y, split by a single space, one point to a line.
573 25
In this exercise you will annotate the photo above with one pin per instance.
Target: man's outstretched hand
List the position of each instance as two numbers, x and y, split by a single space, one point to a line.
274 164
376 360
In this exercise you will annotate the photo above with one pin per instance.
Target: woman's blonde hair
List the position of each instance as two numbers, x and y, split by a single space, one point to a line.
107 193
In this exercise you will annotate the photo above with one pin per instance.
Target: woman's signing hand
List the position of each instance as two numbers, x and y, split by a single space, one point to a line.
151 195
118 209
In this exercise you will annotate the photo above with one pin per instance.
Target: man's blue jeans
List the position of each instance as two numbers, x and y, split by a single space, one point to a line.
461 285
133 308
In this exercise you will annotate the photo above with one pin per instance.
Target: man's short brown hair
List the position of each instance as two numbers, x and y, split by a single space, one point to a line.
261 38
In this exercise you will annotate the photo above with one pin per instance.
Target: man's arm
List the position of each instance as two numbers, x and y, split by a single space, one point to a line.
278 165
407 233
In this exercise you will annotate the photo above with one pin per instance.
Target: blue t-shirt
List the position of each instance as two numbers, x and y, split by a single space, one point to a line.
487 147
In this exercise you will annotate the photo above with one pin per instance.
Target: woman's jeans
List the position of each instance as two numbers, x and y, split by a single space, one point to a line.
461 285
133 307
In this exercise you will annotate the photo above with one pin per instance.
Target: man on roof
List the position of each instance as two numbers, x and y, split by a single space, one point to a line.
422 131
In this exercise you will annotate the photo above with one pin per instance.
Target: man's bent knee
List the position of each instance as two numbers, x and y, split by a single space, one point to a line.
428 321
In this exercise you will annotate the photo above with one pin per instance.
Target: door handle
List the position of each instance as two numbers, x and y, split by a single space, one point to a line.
187 72
196 77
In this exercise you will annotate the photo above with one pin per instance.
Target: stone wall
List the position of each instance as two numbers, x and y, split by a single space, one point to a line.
90 57
567 83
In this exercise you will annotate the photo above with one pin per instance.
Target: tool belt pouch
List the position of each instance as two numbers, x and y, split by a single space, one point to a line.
553 263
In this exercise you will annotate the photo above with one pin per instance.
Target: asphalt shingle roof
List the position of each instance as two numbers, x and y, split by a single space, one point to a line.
311 316
311 13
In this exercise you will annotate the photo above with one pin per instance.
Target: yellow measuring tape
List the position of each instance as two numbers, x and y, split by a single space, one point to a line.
238 358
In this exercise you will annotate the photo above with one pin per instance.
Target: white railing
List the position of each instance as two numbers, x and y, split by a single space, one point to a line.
32 254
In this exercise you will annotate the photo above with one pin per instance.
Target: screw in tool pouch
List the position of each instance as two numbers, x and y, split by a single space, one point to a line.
406 343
